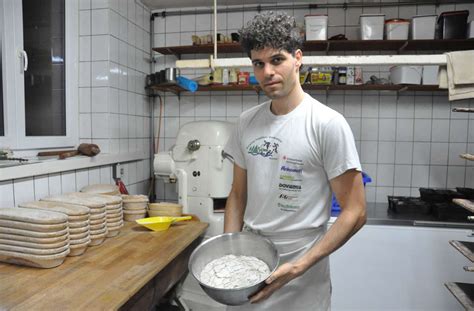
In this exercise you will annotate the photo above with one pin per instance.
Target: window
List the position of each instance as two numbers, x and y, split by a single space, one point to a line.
39 95
2 121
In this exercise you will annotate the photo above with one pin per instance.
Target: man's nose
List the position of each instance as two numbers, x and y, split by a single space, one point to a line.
268 70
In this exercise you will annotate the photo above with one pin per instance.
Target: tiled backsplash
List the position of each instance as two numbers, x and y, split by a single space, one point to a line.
14 192
114 55
405 141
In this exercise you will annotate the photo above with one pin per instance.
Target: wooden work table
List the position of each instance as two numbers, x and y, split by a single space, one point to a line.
130 271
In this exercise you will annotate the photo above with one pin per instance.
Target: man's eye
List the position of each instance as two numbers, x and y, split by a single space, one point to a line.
277 60
258 64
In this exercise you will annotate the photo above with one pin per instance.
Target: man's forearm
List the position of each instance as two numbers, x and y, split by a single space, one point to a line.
346 225
234 214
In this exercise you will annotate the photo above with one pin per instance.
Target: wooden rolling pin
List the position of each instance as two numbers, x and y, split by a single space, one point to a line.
89 150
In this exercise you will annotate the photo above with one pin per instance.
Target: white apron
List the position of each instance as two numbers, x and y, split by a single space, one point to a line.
310 291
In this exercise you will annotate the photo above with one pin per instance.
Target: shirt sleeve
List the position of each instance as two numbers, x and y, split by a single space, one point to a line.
234 146
339 149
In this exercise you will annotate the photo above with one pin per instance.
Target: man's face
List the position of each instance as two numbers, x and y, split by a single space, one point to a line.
277 71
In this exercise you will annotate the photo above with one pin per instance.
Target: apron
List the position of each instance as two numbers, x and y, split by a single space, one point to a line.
308 292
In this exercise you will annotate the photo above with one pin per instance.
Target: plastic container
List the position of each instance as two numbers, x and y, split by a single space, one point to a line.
423 27
397 29
316 27
335 207
430 75
406 74
452 25
470 30
371 26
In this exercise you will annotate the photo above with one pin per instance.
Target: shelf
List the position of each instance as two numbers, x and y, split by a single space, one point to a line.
464 293
334 45
469 205
365 87
465 248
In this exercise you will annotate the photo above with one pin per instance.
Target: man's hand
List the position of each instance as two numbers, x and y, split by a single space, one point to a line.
284 274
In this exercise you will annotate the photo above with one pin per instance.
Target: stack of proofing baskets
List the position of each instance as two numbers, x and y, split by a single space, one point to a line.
113 208
134 207
34 238
97 219
78 220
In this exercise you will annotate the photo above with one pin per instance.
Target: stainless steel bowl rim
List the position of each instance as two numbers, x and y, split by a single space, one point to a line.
231 234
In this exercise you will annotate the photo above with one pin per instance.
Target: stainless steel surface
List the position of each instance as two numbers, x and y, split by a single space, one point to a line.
442 224
170 75
377 214
241 243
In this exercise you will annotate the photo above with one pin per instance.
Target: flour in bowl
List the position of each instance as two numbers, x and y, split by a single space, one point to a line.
233 271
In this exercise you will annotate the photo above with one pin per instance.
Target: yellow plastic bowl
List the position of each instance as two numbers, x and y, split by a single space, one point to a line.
160 223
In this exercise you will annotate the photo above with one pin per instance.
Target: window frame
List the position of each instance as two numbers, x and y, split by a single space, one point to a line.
14 101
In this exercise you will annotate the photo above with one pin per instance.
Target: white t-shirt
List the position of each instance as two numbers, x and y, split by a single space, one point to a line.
289 161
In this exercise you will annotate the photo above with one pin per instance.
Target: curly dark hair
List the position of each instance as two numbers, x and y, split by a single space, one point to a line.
271 29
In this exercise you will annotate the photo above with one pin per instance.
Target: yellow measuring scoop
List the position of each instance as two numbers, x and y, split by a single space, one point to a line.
160 223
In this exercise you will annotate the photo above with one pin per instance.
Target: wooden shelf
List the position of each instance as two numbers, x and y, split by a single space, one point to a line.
334 45
365 87
464 293
465 248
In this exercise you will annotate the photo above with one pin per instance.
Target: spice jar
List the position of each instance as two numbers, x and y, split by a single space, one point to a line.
342 75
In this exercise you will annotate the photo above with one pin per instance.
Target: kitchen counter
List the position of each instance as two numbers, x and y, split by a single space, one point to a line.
133 270
377 214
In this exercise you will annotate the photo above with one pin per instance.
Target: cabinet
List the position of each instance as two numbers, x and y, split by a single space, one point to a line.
400 46
464 292
397 268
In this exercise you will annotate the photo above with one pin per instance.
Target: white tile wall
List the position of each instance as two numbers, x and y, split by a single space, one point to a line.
405 140
104 97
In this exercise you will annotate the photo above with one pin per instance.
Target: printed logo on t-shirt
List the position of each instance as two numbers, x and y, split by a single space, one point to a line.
291 178
265 146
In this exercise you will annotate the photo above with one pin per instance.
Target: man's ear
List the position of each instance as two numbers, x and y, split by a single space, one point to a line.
299 58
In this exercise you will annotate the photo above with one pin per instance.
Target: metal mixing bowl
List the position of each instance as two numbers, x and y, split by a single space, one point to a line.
241 243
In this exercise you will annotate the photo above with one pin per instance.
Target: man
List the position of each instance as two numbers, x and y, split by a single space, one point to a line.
290 154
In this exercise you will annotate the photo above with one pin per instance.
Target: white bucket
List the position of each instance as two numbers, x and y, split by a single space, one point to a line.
371 26
423 27
316 27
396 29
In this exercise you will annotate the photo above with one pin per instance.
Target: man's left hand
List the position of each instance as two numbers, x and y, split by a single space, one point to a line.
284 274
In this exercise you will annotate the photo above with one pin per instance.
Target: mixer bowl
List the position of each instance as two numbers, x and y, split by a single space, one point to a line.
241 243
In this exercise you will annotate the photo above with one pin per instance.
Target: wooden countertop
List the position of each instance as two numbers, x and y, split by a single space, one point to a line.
105 277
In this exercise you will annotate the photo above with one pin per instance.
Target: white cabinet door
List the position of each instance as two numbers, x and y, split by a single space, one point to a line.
398 268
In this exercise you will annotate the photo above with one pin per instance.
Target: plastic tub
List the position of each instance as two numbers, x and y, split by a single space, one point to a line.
335 206
316 27
397 29
423 27
453 25
406 74
371 26
430 75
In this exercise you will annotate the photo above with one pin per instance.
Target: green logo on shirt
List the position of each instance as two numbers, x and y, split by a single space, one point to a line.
266 147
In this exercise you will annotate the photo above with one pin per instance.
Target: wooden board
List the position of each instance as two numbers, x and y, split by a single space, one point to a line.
467 204
465 248
106 276
463 292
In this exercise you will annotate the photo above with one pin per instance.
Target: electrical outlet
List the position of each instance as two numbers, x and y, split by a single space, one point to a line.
118 171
